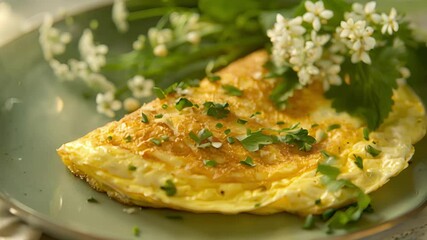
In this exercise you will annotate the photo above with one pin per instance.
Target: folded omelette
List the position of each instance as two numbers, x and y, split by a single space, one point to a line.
202 149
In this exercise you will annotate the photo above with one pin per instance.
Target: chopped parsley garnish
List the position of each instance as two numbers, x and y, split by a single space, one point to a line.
158 116
248 162
254 114
241 121
358 161
136 231
144 118
165 138
159 92
314 125
210 163
328 170
156 141
92 200
298 137
165 106
128 138
213 78
373 151
256 140
182 103
257 205
309 222
219 125
216 110
230 140
201 137
318 202
169 188
110 138
333 126
132 168
227 131
280 123
232 90
366 134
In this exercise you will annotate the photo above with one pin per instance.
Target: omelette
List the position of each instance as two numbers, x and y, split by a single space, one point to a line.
210 148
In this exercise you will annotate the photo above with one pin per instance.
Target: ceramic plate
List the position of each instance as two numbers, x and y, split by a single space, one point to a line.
38 113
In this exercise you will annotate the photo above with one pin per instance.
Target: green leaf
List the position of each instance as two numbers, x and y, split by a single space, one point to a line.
255 140
159 92
373 151
132 168
358 161
366 134
333 126
309 222
216 110
182 103
156 141
369 94
248 162
169 188
227 11
285 89
144 118
210 163
328 170
232 90
298 137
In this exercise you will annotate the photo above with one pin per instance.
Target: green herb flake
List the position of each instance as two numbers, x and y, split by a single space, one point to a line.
128 138
210 163
256 140
159 92
231 140
254 114
227 131
144 118
328 213
219 125
248 162
298 137
92 200
214 78
373 151
110 138
132 168
280 123
314 125
165 138
329 171
169 188
136 231
257 205
232 90
333 126
156 141
358 161
318 202
216 110
165 106
241 121
158 116
366 134
182 103
194 137
309 222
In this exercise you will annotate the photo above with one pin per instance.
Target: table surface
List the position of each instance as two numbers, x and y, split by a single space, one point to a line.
27 12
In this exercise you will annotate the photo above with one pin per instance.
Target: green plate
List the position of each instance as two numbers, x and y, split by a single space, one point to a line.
38 113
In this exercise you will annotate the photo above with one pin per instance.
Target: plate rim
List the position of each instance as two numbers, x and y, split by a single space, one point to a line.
42 222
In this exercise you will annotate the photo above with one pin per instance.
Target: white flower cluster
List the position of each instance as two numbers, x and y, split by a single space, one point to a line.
312 55
184 27
52 41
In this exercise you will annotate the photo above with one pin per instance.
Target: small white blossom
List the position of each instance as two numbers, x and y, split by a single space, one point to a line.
139 43
160 51
79 68
364 12
52 41
316 14
61 70
306 74
140 86
131 104
405 74
193 37
93 55
99 82
159 36
389 22
329 73
120 14
107 104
